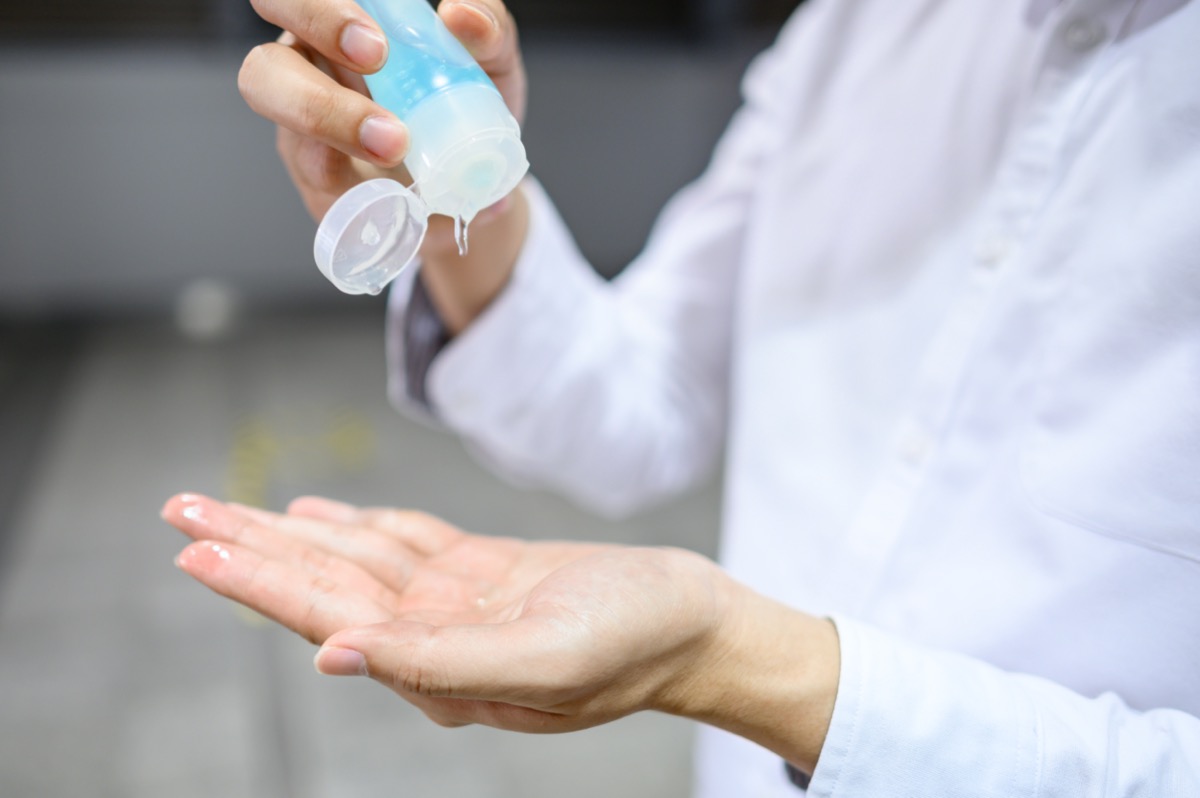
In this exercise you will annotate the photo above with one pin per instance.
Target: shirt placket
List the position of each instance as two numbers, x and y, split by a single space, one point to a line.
1023 182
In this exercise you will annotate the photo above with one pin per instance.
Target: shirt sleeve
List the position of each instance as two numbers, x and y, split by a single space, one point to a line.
612 393
914 721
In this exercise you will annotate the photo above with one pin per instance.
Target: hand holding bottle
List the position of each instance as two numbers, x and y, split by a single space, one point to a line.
332 136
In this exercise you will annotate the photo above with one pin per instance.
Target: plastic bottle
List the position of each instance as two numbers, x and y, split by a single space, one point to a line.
465 151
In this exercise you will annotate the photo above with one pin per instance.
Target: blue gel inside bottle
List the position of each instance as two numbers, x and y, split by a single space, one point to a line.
423 57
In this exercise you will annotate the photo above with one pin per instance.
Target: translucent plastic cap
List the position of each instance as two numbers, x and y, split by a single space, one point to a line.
369 235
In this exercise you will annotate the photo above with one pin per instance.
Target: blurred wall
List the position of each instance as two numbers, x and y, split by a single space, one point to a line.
127 171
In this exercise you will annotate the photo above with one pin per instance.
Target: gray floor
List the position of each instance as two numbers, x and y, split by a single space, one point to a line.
121 677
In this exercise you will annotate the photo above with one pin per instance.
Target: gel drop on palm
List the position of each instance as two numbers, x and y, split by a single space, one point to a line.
465 151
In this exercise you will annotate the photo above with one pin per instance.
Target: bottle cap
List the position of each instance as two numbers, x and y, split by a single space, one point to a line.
369 235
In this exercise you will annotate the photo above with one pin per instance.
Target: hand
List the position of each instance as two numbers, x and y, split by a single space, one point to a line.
331 136
530 636
539 637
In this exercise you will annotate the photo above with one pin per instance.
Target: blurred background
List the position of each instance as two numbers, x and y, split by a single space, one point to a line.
163 328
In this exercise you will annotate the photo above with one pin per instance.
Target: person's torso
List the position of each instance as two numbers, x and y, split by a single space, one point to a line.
966 392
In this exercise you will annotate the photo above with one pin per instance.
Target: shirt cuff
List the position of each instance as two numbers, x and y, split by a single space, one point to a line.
913 721
425 335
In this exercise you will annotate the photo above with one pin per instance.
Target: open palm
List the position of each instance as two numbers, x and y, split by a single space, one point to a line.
547 636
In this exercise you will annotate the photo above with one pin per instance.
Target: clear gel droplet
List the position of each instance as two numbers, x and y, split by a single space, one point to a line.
460 235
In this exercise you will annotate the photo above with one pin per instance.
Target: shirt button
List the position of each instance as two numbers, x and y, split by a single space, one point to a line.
1082 34
992 253
915 447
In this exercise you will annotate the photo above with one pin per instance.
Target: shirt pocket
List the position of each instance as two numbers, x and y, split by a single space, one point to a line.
1114 440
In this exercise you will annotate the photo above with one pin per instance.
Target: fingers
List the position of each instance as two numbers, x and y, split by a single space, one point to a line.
423 533
487 30
311 606
361 559
256 514
202 518
385 558
314 164
279 83
323 509
205 519
338 29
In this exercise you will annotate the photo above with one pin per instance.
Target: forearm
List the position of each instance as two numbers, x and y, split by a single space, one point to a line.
462 285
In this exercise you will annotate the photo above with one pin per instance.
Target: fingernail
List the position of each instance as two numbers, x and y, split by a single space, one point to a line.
180 499
383 137
195 512
211 519
482 10
340 662
364 46
183 558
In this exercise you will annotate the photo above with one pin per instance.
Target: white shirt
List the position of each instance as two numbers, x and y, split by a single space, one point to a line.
938 298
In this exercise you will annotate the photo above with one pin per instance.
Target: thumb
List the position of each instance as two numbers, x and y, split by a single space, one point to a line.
487 30
489 33
528 662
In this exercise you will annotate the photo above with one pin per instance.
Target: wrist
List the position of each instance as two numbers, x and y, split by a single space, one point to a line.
461 286
767 672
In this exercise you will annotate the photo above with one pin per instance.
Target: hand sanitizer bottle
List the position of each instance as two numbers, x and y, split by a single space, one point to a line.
465 152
